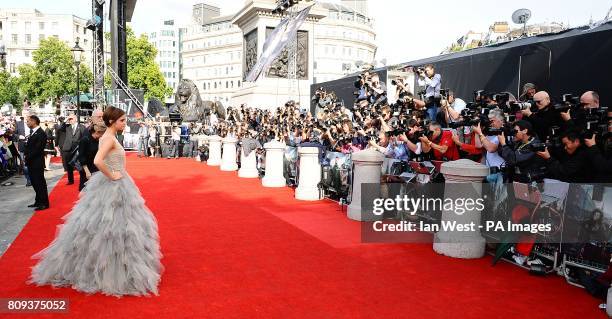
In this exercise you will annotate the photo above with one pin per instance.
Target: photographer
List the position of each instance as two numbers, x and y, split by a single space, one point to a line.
452 109
574 167
440 142
544 117
432 83
589 105
320 100
601 159
520 157
491 140
529 90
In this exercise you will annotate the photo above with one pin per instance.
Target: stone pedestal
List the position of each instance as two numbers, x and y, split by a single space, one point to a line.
214 150
310 174
463 180
248 165
274 165
228 160
367 164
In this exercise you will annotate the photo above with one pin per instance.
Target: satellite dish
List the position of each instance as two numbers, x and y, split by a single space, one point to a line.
521 16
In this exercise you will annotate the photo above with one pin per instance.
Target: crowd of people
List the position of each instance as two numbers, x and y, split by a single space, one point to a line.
75 142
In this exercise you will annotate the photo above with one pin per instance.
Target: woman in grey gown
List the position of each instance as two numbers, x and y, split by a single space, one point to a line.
109 242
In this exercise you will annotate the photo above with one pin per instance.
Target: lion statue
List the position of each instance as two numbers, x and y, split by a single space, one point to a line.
216 108
188 103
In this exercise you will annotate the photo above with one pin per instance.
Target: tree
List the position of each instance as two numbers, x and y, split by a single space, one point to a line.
53 73
9 89
143 71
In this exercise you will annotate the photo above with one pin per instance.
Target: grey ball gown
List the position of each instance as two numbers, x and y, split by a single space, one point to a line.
109 242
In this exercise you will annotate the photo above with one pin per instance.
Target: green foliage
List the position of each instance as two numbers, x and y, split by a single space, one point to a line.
143 72
53 73
9 89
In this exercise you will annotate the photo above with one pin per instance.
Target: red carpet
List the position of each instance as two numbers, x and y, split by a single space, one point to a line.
233 249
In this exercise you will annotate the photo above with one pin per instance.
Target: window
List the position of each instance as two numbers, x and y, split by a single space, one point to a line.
26 53
41 37
14 38
315 65
238 83
13 25
12 67
41 25
215 85
28 25
0 25
28 38
226 85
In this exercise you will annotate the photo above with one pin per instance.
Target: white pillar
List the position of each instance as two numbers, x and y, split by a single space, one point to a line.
248 165
274 165
310 174
463 180
214 150
367 170
228 161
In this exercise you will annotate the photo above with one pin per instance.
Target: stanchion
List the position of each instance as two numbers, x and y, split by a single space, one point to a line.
367 170
310 174
463 180
214 151
248 165
274 165
228 161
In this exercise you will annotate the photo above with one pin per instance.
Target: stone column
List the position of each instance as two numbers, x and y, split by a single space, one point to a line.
248 165
310 174
274 165
214 150
367 170
228 161
463 180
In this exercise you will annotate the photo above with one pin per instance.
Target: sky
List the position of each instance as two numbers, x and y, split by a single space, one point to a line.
406 30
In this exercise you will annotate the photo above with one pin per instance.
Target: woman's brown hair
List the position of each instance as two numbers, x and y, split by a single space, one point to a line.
111 115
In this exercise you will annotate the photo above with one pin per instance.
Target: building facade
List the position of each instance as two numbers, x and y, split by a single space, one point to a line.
212 58
166 40
338 39
22 29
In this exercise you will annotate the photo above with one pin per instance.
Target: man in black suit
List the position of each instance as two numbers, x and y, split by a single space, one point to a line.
74 132
22 132
34 154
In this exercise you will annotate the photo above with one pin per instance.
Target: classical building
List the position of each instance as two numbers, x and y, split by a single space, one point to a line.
217 50
166 40
22 29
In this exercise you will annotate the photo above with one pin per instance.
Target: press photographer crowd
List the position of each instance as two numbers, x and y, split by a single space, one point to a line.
521 140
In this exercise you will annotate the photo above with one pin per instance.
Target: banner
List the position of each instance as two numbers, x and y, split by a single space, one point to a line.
283 34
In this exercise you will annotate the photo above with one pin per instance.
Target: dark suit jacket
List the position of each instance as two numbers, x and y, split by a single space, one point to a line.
60 135
71 141
21 130
88 148
34 151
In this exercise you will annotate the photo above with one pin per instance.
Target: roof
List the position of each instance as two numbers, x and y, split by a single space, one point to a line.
516 43
338 7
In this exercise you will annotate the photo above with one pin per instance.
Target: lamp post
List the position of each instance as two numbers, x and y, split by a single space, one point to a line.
2 56
76 54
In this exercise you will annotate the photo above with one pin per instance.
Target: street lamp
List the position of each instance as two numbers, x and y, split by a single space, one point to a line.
2 56
77 51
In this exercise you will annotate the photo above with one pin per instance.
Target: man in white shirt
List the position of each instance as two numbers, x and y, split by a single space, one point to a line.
176 142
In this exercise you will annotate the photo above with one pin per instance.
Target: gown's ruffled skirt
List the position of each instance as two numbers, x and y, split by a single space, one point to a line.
109 243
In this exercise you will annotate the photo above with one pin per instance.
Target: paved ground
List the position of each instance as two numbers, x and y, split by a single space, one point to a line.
14 199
